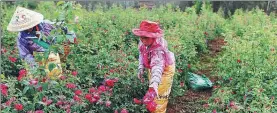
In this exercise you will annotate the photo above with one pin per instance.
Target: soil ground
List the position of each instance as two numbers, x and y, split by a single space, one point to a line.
192 101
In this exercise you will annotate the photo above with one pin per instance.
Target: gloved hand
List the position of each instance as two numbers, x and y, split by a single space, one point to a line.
149 100
65 30
149 96
140 75
151 106
155 86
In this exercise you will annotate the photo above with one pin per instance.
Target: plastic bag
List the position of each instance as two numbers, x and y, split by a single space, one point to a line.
197 82
53 71
71 37
40 43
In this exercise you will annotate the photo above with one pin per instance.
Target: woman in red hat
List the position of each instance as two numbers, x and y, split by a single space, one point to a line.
160 62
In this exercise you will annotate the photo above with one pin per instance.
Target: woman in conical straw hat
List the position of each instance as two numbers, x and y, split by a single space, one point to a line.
30 25
160 62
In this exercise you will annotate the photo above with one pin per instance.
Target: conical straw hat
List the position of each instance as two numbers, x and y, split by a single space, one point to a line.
24 19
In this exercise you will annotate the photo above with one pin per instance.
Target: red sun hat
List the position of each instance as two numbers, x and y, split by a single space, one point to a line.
148 29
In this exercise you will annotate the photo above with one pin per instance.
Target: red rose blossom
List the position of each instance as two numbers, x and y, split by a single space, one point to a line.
124 111
62 77
78 92
33 82
12 59
4 89
102 88
76 98
18 107
74 73
110 82
108 103
88 96
92 90
137 101
70 85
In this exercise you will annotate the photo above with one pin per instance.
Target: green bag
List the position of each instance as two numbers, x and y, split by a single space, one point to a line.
40 43
198 82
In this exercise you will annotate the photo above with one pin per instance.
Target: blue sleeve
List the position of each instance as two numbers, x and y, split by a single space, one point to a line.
23 50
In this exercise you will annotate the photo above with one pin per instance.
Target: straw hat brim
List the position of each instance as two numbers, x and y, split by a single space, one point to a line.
35 19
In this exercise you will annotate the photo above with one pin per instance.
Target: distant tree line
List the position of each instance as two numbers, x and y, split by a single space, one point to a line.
227 6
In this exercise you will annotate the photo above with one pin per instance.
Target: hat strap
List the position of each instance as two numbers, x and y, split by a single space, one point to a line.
37 29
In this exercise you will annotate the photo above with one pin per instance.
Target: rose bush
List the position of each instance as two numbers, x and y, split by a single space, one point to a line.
247 66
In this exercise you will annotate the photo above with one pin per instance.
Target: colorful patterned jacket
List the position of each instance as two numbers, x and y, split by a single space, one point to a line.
156 58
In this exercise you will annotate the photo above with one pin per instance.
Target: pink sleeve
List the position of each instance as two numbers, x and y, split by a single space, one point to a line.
140 62
157 66
140 57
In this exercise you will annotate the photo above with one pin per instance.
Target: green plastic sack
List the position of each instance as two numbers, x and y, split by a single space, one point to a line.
198 82
40 43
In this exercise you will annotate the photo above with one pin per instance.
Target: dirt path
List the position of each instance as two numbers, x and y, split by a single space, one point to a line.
192 101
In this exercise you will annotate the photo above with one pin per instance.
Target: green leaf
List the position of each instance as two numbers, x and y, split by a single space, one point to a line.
25 89
2 76
42 72
25 82
51 66
6 110
45 54
53 82
60 2
40 102
45 86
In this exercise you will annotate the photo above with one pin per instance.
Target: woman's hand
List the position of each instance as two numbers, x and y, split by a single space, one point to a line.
154 85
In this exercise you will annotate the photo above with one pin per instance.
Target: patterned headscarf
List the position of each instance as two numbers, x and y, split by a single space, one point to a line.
160 44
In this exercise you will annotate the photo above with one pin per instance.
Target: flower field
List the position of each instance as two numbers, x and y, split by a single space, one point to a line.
100 72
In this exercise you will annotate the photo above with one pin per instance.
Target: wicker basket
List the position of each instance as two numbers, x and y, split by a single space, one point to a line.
66 49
